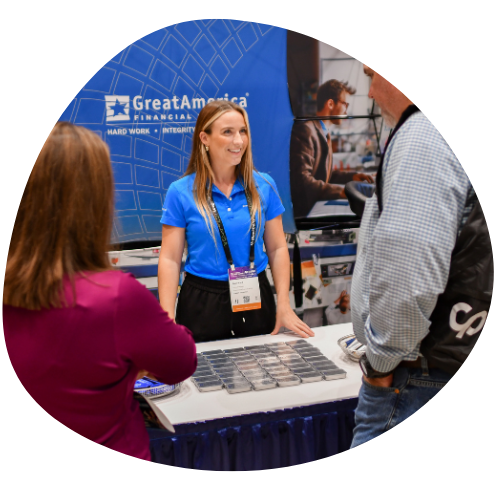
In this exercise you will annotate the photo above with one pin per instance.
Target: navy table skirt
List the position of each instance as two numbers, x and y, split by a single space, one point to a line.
258 441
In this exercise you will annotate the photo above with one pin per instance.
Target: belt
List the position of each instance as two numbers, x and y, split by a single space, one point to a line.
417 363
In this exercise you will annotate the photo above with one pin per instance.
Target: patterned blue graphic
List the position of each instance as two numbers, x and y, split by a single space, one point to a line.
145 101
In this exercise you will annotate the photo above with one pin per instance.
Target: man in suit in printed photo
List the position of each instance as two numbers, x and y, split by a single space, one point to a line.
312 177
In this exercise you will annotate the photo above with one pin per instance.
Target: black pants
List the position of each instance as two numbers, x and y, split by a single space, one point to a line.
204 306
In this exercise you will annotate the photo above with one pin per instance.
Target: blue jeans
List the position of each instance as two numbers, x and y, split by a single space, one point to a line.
382 408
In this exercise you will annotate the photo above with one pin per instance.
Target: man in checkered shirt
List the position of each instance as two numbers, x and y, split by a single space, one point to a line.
403 262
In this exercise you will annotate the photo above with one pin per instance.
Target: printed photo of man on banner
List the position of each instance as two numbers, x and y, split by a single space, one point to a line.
336 132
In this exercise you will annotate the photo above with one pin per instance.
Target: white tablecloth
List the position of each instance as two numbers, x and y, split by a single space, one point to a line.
192 406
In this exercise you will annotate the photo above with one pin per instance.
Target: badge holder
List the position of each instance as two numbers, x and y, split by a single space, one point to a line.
244 286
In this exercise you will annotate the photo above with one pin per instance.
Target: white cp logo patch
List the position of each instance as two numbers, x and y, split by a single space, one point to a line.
466 328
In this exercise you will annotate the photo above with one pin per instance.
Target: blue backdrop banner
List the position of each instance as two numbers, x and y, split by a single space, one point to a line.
144 103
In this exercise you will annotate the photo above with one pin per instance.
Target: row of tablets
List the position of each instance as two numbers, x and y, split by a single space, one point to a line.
280 364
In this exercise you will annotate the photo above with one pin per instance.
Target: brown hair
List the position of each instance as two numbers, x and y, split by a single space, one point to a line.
332 89
63 225
199 162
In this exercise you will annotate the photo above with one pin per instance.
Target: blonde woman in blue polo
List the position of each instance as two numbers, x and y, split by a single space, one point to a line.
221 169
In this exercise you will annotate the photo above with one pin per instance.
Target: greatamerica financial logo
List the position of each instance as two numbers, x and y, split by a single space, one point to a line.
118 107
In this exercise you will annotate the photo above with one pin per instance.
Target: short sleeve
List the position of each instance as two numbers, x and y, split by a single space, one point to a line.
274 207
173 209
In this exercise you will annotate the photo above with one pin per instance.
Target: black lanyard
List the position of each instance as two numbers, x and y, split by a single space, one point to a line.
222 232
378 181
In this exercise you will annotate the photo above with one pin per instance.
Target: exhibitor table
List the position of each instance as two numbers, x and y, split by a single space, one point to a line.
262 429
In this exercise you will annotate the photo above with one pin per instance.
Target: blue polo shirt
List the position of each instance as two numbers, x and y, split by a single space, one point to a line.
204 258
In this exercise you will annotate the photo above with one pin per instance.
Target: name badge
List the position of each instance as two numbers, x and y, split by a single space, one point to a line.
244 289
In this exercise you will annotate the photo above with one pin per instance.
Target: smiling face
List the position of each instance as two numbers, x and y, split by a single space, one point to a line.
227 140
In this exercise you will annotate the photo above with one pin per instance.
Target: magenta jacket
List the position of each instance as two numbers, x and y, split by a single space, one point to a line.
80 363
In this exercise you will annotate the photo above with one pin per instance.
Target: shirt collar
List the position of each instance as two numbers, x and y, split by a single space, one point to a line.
238 187
323 127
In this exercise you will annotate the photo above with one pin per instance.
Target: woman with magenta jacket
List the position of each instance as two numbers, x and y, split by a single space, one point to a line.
79 333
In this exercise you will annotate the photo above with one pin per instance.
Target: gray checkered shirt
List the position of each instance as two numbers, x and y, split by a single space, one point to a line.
403 257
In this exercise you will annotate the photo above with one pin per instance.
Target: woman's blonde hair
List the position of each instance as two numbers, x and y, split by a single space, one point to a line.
200 165
64 221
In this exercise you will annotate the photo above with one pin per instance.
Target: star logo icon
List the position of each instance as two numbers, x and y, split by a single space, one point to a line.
117 108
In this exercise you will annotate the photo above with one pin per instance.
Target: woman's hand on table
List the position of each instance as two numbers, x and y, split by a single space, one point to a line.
285 316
